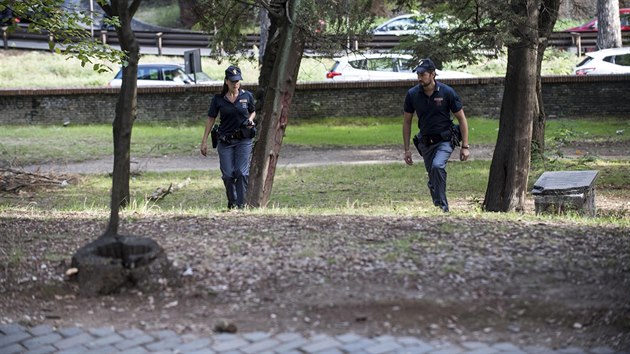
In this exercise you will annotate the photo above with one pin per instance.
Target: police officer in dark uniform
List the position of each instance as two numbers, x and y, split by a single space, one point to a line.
434 102
236 109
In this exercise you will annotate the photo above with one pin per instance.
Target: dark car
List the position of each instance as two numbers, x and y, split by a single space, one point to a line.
7 18
591 26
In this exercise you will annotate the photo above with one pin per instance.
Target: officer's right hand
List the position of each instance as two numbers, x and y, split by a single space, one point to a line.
408 159
204 149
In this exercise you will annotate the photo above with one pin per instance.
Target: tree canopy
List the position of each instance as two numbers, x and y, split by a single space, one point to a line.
68 26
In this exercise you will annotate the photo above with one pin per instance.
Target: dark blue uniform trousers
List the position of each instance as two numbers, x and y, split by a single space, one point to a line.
234 158
435 158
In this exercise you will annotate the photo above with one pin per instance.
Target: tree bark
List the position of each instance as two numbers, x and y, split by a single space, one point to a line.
547 20
608 24
276 103
187 13
507 183
125 111
265 24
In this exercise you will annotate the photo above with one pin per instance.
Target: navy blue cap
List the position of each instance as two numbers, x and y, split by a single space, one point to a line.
233 73
425 65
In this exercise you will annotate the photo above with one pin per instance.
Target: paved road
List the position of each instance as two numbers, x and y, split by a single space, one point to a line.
46 339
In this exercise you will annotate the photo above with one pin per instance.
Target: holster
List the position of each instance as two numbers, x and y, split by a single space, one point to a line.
416 142
453 135
456 135
214 136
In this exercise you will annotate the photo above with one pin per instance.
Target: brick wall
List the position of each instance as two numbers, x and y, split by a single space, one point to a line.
564 96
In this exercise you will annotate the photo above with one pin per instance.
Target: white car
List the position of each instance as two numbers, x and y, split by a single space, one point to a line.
165 74
371 67
606 61
410 24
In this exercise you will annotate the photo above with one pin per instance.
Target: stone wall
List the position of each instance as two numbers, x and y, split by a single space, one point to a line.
564 96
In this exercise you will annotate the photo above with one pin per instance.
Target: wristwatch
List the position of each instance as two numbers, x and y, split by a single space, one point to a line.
465 146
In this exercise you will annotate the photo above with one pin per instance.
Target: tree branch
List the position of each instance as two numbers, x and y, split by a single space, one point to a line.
134 7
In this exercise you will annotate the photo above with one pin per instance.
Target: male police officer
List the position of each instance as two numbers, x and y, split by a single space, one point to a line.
433 102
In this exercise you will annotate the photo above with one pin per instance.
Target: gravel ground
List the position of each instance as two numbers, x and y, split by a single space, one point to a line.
442 277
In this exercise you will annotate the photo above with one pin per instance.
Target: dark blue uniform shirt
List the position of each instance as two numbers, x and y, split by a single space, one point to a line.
233 115
434 112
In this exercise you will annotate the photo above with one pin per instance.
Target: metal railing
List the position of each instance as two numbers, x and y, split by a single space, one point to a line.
581 42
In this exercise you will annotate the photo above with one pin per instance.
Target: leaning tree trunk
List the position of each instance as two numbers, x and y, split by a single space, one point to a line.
125 112
608 24
507 183
548 16
187 15
275 110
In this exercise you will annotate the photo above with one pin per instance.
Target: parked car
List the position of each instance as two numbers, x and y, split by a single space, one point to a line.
369 67
409 24
606 61
164 74
591 26
7 18
201 78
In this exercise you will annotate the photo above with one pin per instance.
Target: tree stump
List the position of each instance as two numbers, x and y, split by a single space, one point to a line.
110 263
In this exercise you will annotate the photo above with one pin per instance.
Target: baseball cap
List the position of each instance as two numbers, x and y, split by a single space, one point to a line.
233 73
425 65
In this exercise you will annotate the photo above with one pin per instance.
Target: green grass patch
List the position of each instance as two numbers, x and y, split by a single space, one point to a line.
164 15
40 143
381 189
585 130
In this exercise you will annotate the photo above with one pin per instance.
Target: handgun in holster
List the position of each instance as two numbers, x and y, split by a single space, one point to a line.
214 136
416 143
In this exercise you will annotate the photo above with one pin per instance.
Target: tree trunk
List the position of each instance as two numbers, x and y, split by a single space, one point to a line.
507 183
608 24
265 24
125 112
548 16
277 100
187 13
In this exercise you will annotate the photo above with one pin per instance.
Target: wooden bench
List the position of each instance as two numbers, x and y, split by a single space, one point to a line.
561 191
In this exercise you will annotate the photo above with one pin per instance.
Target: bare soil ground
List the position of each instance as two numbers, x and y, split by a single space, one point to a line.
548 283
297 156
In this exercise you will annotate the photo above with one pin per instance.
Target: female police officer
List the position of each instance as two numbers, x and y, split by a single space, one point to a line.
235 135
433 102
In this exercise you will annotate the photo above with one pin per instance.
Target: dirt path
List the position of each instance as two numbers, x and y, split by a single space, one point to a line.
296 156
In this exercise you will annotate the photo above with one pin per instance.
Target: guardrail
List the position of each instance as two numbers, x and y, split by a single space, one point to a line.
580 42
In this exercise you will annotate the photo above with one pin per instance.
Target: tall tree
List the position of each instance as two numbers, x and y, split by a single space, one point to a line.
549 10
608 24
509 170
61 22
283 57
126 107
186 13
